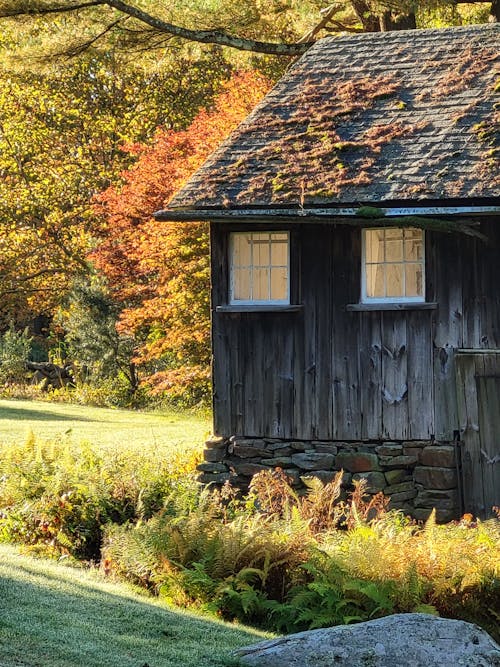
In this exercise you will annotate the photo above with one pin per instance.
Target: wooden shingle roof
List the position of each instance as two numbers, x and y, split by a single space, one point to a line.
405 116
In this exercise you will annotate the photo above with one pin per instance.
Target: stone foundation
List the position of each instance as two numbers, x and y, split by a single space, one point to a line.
417 475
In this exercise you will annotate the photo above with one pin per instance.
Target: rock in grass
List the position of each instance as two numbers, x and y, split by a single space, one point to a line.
409 640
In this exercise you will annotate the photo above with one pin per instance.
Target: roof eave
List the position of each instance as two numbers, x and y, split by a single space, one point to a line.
317 214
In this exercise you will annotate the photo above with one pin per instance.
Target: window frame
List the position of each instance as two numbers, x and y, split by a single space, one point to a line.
258 302
367 300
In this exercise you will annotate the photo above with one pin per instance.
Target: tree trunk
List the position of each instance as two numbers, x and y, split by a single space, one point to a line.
370 21
401 22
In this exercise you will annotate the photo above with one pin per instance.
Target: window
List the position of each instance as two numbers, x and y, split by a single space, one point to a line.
259 268
393 265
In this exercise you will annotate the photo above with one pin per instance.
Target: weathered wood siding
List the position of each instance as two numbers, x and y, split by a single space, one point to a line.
326 373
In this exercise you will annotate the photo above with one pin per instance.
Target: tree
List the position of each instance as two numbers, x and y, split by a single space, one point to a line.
159 271
244 24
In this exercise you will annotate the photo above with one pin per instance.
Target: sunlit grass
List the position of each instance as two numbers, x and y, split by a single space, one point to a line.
101 426
56 616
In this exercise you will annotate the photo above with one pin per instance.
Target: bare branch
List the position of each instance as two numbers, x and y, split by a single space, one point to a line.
37 10
211 36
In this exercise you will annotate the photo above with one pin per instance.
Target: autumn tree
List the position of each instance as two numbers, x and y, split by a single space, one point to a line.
159 271
61 137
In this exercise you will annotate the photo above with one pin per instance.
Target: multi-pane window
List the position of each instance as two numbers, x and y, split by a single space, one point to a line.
259 268
393 265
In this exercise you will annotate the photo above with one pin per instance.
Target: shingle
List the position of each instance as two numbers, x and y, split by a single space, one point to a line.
326 133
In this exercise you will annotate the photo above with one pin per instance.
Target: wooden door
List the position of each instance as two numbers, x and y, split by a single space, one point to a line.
478 394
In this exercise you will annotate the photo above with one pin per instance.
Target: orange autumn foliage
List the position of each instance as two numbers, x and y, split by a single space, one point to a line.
159 271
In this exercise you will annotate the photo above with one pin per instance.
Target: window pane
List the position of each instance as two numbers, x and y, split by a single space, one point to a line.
279 284
374 240
260 284
375 280
241 250
414 282
393 245
394 273
279 254
414 244
261 252
241 284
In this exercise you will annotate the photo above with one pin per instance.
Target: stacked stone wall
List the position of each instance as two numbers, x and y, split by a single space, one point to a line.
417 475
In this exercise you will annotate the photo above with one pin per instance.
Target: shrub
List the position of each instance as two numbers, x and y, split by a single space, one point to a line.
15 348
59 496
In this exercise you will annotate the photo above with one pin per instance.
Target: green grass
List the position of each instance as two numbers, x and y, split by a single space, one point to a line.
100 426
56 616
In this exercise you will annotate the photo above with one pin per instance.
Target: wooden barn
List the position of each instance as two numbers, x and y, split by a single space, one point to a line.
355 244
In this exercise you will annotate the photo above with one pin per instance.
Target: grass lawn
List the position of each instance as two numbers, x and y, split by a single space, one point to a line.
100 426
57 616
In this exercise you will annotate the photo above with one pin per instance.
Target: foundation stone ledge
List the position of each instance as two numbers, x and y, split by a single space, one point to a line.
404 495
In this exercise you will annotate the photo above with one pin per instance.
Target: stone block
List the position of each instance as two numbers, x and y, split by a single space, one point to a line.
399 488
442 456
247 451
212 467
396 476
299 446
375 481
389 449
247 468
435 478
445 500
294 475
313 460
279 461
404 495
283 448
357 461
214 454
403 461
215 441
325 447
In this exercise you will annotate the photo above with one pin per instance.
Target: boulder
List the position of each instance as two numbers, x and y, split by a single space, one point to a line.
409 640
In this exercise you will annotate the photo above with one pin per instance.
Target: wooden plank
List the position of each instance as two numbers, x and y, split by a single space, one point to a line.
488 397
444 253
394 376
344 359
221 349
473 495
371 376
420 376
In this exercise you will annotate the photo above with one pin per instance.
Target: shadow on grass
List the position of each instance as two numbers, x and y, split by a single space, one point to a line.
52 619
15 412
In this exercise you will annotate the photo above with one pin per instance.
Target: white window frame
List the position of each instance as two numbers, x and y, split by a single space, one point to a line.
390 299
249 302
